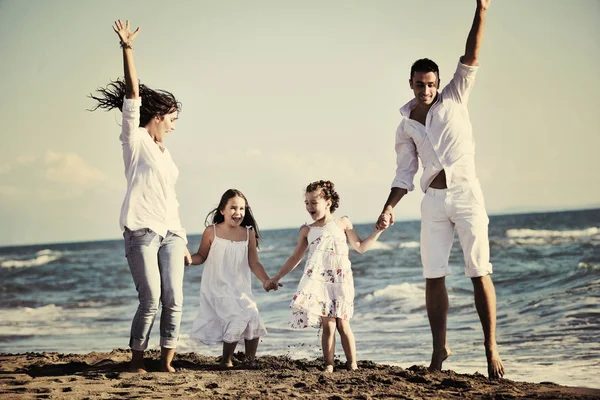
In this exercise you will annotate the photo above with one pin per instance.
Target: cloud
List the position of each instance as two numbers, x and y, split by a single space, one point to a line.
21 160
70 168
27 179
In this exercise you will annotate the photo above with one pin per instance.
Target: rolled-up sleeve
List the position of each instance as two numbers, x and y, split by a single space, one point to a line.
131 119
407 162
459 88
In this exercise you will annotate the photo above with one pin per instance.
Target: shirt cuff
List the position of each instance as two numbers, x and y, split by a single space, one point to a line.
403 185
131 105
466 70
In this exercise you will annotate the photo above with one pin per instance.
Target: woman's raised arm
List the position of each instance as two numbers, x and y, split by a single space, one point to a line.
132 88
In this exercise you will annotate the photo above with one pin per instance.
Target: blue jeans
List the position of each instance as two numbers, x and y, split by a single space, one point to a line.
156 265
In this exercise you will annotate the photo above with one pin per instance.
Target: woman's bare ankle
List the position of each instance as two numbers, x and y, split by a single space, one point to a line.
137 362
137 367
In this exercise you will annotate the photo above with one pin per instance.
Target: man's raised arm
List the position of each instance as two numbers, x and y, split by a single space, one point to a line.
476 34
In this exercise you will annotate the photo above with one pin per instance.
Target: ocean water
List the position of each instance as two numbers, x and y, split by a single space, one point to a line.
79 297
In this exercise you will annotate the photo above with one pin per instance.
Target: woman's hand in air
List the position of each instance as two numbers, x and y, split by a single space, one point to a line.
124 33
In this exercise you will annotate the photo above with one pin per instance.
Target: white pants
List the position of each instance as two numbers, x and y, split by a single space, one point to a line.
461 208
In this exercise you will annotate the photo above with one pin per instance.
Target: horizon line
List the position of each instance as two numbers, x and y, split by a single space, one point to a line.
495 214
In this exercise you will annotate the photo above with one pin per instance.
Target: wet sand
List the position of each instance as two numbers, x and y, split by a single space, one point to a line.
105 376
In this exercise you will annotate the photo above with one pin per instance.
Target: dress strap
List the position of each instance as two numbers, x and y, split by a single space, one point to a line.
248 233
336 222
215 229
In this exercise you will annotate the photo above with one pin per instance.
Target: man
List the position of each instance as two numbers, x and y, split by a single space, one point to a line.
435 127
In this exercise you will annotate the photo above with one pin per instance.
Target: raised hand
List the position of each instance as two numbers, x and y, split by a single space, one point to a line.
124 33
483 4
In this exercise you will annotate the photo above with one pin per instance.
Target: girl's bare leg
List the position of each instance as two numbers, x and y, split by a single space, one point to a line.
227 359
348 342
251 346
328 343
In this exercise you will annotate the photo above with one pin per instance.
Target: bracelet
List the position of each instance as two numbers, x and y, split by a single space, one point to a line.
126 45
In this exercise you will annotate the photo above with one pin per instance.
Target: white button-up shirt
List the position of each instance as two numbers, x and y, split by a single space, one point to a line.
445 142
150 201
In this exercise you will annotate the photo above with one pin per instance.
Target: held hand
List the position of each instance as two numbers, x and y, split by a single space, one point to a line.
271 284
267 285
124 33
384 221
187 257
483 4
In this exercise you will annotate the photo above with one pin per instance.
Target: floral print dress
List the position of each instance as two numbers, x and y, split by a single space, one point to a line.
327 285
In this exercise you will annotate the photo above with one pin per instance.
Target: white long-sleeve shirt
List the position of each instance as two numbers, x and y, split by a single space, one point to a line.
445 142
150 201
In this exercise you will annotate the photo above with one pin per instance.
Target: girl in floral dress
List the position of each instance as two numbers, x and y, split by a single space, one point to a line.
325 295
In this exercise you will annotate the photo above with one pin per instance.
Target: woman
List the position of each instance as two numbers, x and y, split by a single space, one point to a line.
155 242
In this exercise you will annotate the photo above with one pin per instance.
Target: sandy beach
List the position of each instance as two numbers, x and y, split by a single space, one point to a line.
104 376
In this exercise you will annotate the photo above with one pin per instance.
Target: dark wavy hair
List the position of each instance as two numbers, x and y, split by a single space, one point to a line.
328 192
424 65
154 102
215 216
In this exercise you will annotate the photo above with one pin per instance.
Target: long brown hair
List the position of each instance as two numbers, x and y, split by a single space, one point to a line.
154 102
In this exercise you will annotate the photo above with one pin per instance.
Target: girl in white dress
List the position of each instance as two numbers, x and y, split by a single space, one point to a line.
228 311
325 295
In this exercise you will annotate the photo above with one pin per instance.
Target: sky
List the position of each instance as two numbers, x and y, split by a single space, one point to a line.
277 94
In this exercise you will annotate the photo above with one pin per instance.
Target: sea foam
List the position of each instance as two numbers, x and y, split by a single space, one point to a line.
42 257
544 233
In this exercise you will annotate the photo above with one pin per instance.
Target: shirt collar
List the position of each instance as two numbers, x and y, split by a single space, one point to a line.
408 107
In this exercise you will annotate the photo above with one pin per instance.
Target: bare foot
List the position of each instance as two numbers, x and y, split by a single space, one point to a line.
495 366
225 365
328 369
138 368
438 357
351 366
167 368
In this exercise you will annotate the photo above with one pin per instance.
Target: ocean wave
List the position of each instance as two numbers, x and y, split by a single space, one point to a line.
50 320
402 291
26 314
588 266
42 257
408 245
544 233
267 249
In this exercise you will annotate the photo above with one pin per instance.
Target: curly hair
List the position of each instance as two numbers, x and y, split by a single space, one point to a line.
215 216
328 192
154 102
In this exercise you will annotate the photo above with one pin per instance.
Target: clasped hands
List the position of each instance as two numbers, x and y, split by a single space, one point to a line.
385 220
271 284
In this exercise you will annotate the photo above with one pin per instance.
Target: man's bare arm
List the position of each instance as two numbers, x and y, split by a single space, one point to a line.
386 218
475 37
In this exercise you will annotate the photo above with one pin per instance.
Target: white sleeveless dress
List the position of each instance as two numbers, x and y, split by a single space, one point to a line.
228 311
327 285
